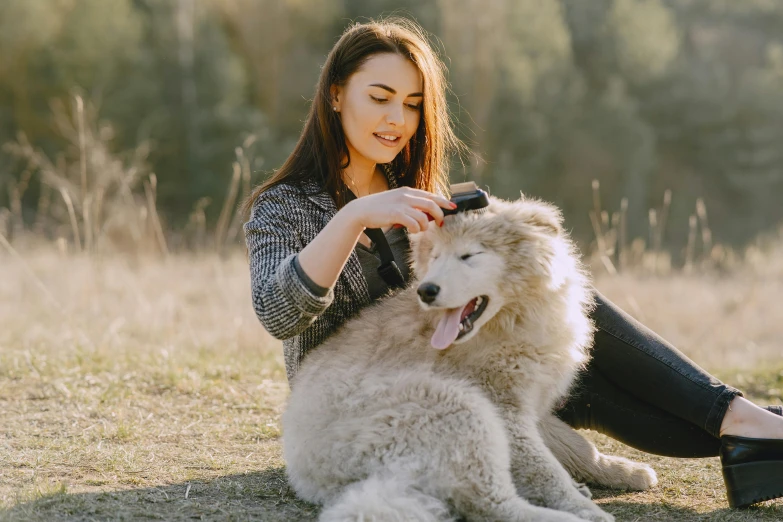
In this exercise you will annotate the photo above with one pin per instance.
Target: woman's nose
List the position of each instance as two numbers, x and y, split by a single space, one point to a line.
396 116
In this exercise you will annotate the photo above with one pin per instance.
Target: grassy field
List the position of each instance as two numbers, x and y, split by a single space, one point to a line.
143 389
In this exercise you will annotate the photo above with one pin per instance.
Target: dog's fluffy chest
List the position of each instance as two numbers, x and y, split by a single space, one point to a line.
521 374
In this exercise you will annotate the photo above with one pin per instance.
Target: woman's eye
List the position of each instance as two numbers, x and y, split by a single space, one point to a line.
412 106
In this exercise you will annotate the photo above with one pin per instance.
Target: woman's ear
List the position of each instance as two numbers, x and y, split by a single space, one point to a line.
336 95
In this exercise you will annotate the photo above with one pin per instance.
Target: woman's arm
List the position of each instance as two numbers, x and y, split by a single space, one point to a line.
324 258
286 274
285 303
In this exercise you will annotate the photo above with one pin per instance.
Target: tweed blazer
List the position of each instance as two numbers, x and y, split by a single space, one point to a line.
283 220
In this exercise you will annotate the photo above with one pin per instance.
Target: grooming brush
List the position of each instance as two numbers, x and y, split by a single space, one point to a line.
467 196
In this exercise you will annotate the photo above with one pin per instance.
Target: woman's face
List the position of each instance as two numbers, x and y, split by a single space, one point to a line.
380 108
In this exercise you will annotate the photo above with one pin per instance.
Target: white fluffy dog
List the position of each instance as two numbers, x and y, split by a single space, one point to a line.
436 403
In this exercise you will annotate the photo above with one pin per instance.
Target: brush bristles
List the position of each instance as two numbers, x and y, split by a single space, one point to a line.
464 188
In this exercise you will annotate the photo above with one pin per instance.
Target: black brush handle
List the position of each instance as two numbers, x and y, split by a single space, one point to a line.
473 200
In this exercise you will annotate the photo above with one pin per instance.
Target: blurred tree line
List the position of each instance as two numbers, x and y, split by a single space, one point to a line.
643 95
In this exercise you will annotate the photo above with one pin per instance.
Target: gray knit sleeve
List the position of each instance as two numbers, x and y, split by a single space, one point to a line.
283 301
314 287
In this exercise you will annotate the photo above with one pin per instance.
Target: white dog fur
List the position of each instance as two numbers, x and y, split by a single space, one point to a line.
381 426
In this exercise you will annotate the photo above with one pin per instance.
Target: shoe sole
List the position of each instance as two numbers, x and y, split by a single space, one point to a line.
753 482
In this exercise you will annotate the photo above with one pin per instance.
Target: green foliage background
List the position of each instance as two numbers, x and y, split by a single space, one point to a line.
643 95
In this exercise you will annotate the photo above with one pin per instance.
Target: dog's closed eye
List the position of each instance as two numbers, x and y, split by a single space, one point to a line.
466 256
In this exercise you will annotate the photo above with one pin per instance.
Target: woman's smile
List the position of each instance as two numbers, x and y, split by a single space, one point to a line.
387 140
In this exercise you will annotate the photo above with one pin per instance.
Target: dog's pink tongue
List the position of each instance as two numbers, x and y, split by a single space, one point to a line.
447 329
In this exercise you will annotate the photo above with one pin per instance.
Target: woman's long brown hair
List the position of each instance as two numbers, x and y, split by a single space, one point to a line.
319 153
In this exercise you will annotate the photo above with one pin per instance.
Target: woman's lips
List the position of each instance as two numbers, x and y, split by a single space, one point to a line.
387 143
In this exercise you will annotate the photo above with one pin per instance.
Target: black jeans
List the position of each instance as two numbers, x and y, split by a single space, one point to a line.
642 391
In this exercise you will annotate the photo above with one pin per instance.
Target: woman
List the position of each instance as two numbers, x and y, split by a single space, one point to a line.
379 128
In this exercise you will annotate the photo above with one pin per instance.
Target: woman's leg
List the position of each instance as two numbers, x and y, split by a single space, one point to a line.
644 392
600 405
745 419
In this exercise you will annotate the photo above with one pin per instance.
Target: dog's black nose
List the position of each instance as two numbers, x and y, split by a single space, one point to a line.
428 292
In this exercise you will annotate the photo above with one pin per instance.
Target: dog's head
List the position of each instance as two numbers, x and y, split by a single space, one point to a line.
484 265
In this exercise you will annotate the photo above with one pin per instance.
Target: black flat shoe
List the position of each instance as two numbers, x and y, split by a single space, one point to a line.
752 469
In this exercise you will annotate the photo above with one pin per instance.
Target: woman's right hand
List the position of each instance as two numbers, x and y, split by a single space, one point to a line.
404 206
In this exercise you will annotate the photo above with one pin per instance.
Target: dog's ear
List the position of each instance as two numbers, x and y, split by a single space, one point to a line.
544 216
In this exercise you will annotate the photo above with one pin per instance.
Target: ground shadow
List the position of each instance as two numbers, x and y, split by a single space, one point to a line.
263 496
645 512
266 496
625 509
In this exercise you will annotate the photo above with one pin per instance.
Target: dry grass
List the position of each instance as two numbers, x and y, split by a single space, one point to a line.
146 389
123 378
720 322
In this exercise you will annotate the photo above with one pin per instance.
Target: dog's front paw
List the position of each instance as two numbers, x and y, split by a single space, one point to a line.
642 477
589 510
583 489
595 514
622 473
552 515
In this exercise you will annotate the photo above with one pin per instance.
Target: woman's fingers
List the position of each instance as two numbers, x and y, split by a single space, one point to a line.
440 201
415 220
409 221
436 211
421 218
429 206
411 208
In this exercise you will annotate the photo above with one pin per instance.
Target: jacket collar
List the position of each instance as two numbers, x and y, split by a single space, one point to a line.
324 200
